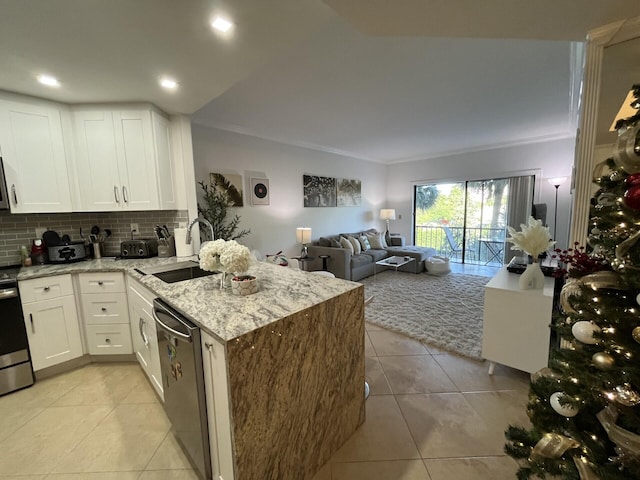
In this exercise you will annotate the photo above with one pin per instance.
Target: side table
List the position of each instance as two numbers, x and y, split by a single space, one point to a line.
303 261
324 261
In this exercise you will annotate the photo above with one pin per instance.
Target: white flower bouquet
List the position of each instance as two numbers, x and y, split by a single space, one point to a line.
533 239
224 256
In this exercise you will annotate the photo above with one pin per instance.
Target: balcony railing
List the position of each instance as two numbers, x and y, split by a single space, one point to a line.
482 246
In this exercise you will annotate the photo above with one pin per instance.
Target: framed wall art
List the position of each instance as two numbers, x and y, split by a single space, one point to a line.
348 192
229 183
319 191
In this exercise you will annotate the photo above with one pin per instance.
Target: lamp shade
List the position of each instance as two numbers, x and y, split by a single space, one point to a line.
387 214
557 181
303 235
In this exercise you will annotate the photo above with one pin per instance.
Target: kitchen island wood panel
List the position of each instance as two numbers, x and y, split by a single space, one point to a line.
297 389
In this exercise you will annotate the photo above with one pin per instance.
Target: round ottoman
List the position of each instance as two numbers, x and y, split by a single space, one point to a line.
437 265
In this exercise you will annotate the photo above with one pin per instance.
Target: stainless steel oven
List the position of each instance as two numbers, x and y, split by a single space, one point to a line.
183 384
4 196
16 371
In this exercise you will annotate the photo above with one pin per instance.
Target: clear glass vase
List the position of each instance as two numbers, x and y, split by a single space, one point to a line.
225 280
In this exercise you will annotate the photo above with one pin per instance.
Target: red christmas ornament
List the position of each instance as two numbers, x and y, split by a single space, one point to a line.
632 197
633 179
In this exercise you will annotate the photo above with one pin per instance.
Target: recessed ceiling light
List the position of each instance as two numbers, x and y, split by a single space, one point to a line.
169 83
221 24
48 80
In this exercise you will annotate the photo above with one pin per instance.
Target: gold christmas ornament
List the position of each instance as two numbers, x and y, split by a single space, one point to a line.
603 361
635 333
552 445
626 396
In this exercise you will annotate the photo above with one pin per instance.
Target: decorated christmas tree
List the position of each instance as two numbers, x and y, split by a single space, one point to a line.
585 407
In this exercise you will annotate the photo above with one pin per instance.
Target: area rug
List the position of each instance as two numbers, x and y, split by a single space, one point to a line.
445 312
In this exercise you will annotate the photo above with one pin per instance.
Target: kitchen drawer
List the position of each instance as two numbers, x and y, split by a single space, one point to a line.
45 288
107 282
103 308
109 339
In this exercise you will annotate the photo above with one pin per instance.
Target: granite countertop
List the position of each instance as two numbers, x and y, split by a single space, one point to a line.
282 292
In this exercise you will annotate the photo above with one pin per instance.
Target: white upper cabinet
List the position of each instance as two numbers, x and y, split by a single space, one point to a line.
116 160
166 178
34 157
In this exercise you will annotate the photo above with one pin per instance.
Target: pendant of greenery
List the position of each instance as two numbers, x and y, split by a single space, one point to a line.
214 208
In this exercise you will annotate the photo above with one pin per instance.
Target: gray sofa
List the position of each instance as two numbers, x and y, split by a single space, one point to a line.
343 264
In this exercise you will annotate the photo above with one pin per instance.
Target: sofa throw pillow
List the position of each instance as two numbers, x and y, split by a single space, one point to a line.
356 245
335 244
344 243
364 242
375 240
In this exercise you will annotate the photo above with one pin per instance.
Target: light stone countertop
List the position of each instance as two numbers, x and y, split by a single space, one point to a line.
282 291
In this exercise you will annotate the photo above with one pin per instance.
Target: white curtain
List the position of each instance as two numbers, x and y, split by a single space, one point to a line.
520 203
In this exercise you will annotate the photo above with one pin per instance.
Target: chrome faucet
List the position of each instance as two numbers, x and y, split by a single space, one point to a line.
193 222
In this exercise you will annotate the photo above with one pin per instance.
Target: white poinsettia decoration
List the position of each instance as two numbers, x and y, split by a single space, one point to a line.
533 239
224 256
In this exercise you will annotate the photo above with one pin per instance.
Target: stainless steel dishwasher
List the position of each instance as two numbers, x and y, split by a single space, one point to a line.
183 382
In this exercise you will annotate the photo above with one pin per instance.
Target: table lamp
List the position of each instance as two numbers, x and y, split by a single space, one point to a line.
303 236
387 214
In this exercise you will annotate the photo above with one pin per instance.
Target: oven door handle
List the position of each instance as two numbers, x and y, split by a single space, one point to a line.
8 293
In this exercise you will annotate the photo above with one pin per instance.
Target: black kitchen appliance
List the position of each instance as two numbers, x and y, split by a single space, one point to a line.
4 196
16 371
139 248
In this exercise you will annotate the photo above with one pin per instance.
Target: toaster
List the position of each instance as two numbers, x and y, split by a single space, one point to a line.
139 248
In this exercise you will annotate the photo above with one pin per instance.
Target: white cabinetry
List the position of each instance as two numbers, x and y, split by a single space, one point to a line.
34 156
143 332
218 409
51 320
515 329
123 160
104 309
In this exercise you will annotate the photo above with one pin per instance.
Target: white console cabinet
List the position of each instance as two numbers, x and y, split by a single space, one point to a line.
516 323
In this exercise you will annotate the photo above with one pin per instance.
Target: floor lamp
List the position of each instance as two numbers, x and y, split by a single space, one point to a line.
556 182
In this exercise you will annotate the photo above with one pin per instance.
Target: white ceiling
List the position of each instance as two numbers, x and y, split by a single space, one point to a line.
300 72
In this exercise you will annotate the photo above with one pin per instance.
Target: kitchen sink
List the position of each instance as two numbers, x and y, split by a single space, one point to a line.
181 274
177 272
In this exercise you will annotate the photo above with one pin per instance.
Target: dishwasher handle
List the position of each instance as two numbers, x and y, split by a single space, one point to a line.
160 311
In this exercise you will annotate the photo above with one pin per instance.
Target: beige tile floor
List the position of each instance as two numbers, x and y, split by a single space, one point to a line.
431 415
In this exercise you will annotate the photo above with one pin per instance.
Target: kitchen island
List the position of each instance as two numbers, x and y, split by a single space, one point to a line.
293 360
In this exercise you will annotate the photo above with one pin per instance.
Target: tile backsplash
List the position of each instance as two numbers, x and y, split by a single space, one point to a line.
20 229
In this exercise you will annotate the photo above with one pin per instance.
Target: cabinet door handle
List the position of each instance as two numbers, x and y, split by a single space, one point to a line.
15 195
107 340
104 309
142 334
100 283
115 193
209 346
125 197
33 328
46 289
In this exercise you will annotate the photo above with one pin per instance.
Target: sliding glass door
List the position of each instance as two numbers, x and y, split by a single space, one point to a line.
466 221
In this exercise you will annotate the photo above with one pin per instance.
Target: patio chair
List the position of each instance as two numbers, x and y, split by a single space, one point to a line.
456 248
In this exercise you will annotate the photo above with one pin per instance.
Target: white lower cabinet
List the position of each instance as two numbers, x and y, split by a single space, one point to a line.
52 323
143 333
218 408
104 310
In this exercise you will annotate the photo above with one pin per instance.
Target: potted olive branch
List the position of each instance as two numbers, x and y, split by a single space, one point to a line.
214 208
